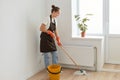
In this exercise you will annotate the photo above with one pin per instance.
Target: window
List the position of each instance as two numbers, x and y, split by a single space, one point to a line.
82 7
114 17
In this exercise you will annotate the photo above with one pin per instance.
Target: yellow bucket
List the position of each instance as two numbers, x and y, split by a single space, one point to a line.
54 71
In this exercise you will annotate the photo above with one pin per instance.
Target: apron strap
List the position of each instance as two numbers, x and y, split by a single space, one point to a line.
51 20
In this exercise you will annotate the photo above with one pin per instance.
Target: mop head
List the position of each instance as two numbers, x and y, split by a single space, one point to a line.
80 72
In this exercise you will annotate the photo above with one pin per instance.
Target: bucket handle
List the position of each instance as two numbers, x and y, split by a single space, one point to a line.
54 72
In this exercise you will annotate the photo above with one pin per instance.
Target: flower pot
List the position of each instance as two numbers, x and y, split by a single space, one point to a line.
82 34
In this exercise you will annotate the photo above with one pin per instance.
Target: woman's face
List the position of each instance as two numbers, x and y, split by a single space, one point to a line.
56 14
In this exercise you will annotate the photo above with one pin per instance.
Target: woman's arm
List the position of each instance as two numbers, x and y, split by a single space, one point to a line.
58 38
44 24
43 28
56 33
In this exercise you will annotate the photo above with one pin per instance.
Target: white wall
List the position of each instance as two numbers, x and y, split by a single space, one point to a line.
19 38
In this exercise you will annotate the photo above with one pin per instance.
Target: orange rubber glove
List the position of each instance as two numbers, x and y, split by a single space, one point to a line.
51 33
58 41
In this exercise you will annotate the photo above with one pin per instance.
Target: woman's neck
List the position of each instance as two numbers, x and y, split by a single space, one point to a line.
52 15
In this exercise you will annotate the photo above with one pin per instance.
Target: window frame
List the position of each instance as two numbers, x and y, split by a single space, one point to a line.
89 34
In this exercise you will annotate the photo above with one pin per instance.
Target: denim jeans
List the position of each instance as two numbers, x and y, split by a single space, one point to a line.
54 58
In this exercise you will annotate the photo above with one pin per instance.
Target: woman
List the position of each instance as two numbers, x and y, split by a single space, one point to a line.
48 30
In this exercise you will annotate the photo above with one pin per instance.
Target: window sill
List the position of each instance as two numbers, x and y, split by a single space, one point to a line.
88 37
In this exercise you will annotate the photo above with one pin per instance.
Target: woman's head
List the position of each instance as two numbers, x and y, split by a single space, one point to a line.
55 11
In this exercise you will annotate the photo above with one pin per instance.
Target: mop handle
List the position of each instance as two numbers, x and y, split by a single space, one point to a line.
68 55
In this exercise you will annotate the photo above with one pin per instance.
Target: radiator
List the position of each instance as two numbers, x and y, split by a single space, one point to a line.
83 55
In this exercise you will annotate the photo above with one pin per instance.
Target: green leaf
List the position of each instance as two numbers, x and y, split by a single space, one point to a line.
76 16
89 14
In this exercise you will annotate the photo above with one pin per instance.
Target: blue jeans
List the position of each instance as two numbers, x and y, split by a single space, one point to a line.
54 58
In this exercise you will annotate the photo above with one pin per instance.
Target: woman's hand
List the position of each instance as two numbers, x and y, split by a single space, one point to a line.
58 41
51 33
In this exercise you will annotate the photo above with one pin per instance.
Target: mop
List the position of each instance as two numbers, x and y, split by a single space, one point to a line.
80 72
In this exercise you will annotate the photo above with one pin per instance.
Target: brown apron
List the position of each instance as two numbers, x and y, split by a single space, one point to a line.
47 43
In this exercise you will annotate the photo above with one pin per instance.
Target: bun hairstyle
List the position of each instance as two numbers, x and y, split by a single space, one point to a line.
54 8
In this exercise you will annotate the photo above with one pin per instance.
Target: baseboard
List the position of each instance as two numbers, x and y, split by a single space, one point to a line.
111 70
78 67
113 62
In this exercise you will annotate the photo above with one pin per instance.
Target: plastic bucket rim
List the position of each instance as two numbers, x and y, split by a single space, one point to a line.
55 72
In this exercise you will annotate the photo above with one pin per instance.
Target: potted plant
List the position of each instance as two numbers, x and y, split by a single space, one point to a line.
81 22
